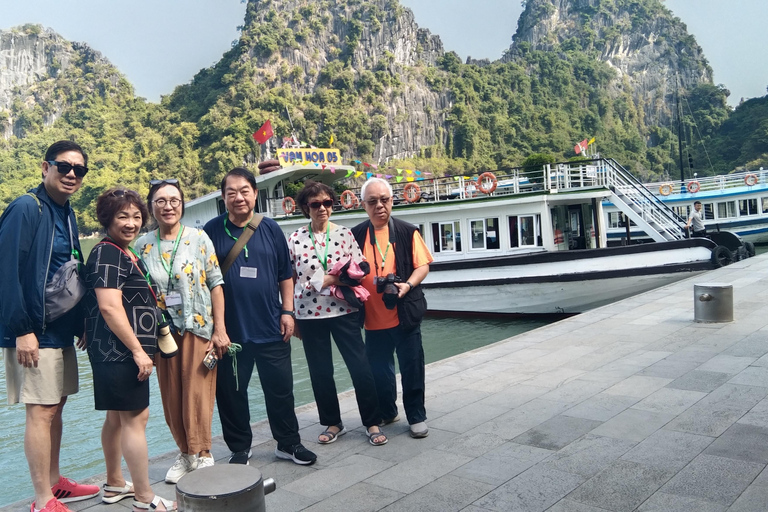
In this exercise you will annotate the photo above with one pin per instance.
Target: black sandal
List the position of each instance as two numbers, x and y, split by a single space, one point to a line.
332 436
374 435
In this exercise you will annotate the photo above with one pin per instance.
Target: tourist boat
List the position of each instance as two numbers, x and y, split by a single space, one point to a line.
517 242
736 202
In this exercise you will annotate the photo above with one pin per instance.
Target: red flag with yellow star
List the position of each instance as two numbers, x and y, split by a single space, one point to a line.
263 134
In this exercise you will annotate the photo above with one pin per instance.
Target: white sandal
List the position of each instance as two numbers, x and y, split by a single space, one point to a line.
122 492
157 500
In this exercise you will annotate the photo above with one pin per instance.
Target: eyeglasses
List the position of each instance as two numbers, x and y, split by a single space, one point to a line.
171 181
375 200
65 167
121 192
317 204
174 202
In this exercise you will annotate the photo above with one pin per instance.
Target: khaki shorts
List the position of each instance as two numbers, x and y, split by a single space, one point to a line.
54 378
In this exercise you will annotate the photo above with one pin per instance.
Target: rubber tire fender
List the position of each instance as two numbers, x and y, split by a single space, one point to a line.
750 247
721 256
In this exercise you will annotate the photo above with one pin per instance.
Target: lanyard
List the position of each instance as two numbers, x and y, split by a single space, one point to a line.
169 267
324 260
384 255
245 249
108 240
373 241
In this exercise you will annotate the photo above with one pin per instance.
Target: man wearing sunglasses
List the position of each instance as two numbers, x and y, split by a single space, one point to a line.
38 234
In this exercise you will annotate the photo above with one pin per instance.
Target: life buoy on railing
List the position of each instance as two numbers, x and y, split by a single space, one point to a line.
483 183
693 187
412 192
289 205
665 189
348 199
559 239
751 180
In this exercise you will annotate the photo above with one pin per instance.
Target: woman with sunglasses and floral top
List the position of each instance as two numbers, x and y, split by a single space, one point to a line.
121 332
315 250
183 263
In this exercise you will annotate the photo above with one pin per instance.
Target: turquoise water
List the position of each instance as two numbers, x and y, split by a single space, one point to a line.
81 454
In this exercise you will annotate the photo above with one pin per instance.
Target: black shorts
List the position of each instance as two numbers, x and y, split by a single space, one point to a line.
116 388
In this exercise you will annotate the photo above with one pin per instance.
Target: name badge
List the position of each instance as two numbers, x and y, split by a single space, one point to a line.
248 272
173 299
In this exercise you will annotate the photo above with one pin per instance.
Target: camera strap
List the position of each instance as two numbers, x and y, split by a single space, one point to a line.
375 244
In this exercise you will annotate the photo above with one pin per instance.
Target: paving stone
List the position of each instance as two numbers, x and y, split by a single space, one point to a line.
588 455
567 505
534 490
601 407
755 497
575 391
713 414
553 378
753 345
742 442
502 464
281 501
448 493
752 376
337 477
722 363
525 417
361 497
668 400
638 386
663 502
622 486
418 471
514 396
668 369
697 380
715 479
472 444
466 418
757 416
668 450
557 432
451 401
633 425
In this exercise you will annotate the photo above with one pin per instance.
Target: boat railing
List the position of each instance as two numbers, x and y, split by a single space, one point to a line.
710 183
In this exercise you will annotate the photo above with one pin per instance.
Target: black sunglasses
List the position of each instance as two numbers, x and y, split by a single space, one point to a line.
171 181
65 167
121 192
317 204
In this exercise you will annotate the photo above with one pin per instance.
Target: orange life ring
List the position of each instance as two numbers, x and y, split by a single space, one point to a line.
289 205
348 199
665 189
412 192
559 237
482 181
693 186
751 180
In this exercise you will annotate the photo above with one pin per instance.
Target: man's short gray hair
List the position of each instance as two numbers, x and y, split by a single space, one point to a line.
374 180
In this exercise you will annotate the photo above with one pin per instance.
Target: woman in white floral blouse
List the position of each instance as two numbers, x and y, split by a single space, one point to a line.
315 250
183 263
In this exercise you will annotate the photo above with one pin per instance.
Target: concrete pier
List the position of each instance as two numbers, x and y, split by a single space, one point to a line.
632 406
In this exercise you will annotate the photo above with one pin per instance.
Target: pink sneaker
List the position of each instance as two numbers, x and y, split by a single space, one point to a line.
53 505
67 490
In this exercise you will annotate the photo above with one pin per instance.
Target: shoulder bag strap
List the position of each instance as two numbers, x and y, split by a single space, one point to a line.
241 241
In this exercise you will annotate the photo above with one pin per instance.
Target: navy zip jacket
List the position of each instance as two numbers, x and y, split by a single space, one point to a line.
26 238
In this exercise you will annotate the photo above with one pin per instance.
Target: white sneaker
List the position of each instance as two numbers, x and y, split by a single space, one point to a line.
183 465
204 462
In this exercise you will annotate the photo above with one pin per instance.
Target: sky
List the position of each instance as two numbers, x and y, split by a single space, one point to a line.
159 44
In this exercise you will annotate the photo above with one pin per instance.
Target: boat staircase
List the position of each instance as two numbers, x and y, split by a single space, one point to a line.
644 208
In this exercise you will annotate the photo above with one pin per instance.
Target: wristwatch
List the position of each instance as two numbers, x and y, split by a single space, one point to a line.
289 313
410 286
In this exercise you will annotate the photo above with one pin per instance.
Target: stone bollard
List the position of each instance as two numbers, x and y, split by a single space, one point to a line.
223 487
713 303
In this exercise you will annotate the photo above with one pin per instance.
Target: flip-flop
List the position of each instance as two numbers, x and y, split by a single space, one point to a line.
122 492
332 436
374 435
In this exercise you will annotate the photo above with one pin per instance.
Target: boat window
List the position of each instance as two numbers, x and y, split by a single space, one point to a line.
747 207
524 231
765 204
726 209
614 219
709 211
681 211
446 237
485 233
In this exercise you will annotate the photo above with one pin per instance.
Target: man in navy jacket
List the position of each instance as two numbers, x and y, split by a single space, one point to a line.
38 234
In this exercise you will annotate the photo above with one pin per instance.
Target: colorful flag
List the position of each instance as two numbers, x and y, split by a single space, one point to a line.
330 141
263 134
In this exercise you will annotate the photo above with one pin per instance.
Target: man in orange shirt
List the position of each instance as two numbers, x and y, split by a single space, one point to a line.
400 261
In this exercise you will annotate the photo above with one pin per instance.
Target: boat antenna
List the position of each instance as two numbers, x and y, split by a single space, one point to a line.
294 138
679 131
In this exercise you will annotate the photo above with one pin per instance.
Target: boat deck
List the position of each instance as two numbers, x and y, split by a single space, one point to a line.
631 406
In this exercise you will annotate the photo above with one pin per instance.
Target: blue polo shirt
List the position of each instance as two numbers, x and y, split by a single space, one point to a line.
251 286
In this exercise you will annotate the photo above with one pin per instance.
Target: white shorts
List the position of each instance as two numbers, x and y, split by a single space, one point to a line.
55 377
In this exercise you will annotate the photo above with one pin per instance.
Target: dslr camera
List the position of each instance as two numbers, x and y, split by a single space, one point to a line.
386 286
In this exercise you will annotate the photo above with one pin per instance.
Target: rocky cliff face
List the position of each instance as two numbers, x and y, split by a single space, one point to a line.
314 40
34 62
640 39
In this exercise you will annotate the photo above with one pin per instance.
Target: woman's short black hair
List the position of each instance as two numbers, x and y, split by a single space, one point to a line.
115 199
157 186
312 189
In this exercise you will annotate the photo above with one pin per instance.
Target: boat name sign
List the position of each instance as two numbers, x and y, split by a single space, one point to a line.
314 155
